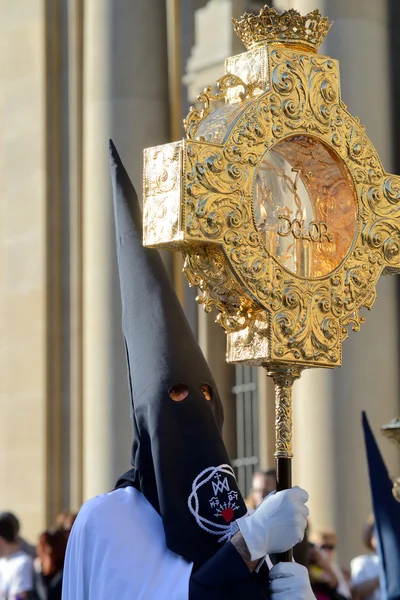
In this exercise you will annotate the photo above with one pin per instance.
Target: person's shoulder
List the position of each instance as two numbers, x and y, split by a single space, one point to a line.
362 564
104 502
101 508
364 559
358 559
21 560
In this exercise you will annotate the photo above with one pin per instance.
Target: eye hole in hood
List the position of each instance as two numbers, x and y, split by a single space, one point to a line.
178 392
206 391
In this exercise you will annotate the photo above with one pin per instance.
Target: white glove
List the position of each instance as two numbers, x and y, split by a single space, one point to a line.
277 524
290 581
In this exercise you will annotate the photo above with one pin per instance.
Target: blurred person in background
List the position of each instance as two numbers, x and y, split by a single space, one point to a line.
270 476
324 581
365 568
51 550
65 520
16 566
264 482
24 545
326 542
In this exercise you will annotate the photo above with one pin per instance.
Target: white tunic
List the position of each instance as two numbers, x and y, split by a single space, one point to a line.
117 550
16 575
365 568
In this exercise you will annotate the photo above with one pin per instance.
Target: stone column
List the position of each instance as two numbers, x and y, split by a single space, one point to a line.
126 98
329 452
75 12
23 383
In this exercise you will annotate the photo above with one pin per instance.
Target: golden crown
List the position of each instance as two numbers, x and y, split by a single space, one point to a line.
289 27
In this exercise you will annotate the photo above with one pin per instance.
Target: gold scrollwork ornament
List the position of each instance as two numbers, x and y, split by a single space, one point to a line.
280 205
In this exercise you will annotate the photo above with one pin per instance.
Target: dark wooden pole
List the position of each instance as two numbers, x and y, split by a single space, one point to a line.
284 482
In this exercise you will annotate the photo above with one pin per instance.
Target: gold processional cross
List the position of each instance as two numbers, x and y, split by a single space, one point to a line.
285 295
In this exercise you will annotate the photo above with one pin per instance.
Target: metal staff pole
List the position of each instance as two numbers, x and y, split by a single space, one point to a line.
283 377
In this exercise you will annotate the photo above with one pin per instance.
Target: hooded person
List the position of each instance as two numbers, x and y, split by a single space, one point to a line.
175 526
387 517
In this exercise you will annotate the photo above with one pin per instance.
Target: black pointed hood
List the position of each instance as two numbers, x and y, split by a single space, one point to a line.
387 516
180 461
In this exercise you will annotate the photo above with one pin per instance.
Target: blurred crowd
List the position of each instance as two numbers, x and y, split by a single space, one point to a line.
32 572
317 552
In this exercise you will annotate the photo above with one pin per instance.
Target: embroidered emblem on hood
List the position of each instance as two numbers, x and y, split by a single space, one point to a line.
223 500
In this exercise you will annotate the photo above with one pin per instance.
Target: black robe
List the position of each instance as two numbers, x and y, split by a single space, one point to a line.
226 576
